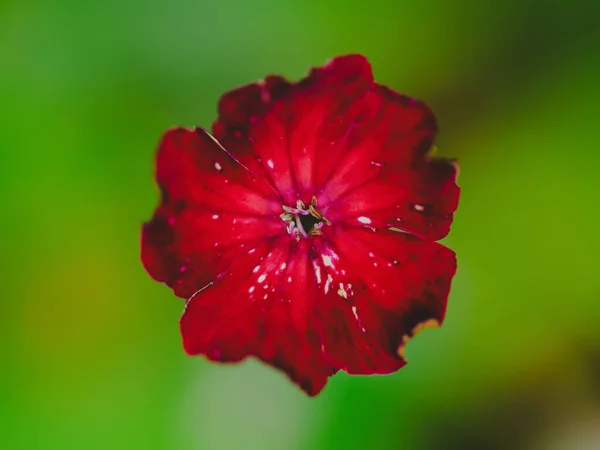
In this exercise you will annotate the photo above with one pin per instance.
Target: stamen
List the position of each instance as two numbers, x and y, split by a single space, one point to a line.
294 223
313 211
290 227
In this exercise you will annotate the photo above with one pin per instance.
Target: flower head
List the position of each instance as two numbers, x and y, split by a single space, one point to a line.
304 231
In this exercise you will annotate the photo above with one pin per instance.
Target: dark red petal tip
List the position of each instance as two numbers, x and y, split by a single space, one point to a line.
303 233
240 108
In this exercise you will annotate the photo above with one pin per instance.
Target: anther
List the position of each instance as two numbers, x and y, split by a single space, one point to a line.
299 227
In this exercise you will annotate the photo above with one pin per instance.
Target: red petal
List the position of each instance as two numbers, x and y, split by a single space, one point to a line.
385 179
399 133
421 200
263 306
295 142
240 108
364 319
211 209
317 118
390 131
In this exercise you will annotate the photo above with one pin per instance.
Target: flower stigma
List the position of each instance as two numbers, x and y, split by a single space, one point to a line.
303 221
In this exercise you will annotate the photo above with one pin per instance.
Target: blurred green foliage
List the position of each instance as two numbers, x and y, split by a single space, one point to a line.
91 350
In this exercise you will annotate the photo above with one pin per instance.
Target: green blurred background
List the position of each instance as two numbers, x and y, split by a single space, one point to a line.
91 353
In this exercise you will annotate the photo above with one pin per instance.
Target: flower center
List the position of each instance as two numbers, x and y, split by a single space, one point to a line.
303 221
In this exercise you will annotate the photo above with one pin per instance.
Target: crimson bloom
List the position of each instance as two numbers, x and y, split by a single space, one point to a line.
304 231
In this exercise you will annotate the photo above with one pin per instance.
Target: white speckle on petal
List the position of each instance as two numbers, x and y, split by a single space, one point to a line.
270 163
218 166
354 312
327 260
251 251
255 269
251 290
378 164
371 255
215 216
283 266
342 292
262 278
289 279
365 220
317 272
328 282
418 207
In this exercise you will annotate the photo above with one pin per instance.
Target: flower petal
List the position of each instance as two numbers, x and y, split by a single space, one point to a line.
263 306
398 132
364 319
238 111
192 167
240 108
421 200
317 116
295 141
211 209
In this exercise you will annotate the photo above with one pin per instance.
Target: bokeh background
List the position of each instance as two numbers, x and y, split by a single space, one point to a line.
91 353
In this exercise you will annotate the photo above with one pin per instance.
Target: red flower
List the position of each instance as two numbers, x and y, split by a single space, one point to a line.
303 232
